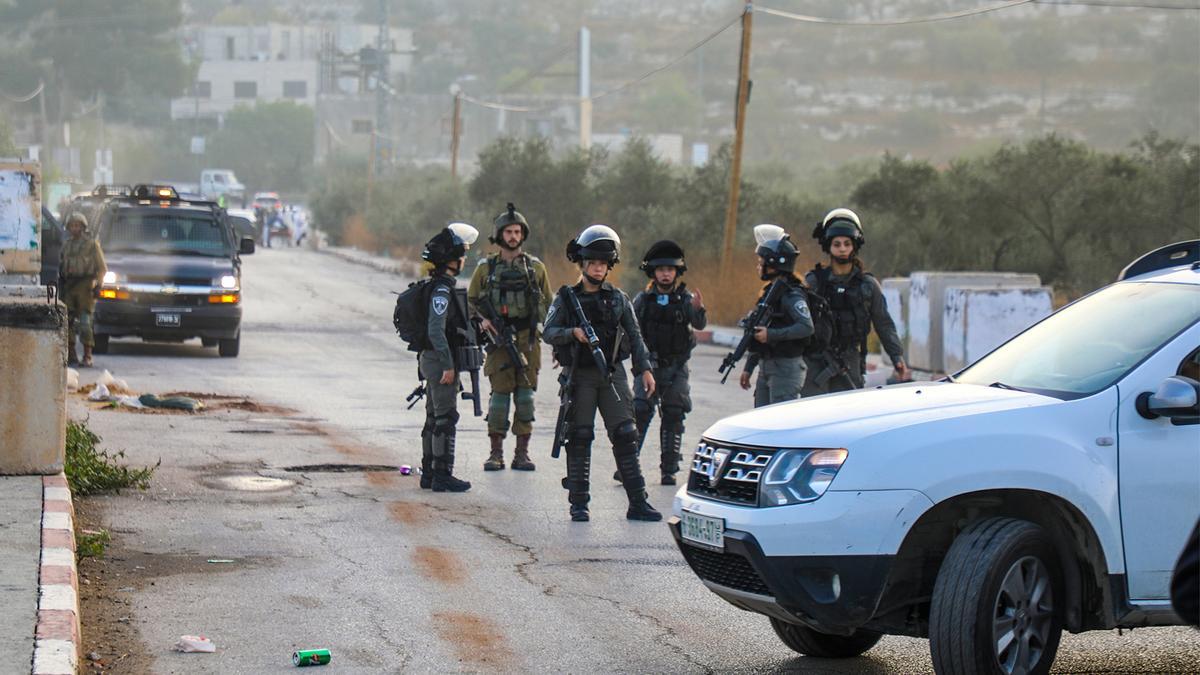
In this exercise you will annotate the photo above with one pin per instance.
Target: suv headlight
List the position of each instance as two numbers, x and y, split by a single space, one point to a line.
798 476
227 282
110 278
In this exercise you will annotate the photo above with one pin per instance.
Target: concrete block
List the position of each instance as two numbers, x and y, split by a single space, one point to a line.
926 307
33 386
895 293
977 320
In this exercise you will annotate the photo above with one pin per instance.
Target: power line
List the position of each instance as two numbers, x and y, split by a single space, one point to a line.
1125 5
679 58
491 105
547 64
945 16
26 98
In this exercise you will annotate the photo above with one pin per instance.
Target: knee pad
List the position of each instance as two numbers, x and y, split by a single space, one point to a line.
582 436
673 418
444 424
524 401
625 434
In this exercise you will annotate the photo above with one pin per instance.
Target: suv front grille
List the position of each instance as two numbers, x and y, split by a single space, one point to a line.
725 569
728 473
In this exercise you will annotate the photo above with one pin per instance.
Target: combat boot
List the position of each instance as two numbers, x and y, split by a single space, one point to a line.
426 458
521 461
443 464
72 357
579 460
635 486
87 357
671 441
495 461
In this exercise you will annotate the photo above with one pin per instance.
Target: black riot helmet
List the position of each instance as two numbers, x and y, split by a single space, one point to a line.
665 253
596 242
776 249
450 244
840 223
511 216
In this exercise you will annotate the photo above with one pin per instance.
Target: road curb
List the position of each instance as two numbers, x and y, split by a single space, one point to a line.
57 637
401 268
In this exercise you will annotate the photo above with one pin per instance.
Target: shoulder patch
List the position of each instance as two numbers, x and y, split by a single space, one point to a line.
801 308
440 304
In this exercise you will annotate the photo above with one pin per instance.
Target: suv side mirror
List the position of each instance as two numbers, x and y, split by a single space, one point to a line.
1177 397
246 247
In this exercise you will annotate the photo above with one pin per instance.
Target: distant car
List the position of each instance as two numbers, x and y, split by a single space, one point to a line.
174 271
1049 485
267 200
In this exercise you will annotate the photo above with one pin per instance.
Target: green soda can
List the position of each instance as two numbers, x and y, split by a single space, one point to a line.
311 657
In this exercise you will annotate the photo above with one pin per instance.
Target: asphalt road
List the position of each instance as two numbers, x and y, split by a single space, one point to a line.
393 578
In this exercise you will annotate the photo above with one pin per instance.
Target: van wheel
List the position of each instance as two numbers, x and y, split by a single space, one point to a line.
804 640
99 344
229 348
993 607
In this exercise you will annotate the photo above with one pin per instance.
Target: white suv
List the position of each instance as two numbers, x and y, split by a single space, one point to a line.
1049 485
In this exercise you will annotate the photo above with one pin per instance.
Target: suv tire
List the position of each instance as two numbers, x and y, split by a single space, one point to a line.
99 344
997 567
804 640
229 347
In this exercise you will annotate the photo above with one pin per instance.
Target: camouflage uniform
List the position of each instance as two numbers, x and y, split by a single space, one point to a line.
82 270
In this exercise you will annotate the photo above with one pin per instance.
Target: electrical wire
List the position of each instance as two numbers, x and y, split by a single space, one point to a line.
712 36
491 105
945 16
547 64
27 98
1123 5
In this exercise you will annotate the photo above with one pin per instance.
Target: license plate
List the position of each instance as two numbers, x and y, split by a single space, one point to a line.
703 531
166 319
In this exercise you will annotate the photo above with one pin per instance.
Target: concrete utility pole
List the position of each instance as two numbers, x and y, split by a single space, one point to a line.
735 169
455 132
383 118
585 88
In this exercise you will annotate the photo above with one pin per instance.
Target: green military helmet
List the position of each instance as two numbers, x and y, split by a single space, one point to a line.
665 253
76 217
511 216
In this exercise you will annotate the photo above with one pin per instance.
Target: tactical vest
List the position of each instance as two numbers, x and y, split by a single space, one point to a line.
780 318
512 288
848 304
79 258
456 320
663 318
600 308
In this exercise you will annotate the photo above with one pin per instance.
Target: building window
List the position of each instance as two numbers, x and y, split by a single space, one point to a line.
229 48
295 89
245 90
203 89
361 126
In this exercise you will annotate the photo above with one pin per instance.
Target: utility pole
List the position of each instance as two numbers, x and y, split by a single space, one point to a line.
383 119
585 87
455 131
735 169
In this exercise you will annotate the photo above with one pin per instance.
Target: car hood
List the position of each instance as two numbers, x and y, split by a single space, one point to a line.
145 266
838 420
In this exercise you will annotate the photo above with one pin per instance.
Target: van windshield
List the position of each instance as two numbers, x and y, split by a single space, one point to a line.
169 233
1087 346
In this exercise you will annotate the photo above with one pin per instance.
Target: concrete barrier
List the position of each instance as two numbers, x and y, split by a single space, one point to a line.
926 307
895 292
33 382
977 320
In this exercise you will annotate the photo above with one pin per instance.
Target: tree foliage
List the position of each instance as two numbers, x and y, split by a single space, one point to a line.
268 146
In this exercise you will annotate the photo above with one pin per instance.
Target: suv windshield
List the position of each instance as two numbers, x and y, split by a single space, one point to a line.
166 233
1087 346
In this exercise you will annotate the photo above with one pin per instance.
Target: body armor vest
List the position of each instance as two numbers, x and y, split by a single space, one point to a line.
600 308
665 327
848 304
511 288
780 318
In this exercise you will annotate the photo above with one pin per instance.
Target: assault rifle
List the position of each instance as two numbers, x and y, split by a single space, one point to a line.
566 403
833 370
592 338
505 338
416 395
469 356
760 316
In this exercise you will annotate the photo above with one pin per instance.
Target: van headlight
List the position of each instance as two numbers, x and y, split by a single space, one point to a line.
798 476
227 282
110 277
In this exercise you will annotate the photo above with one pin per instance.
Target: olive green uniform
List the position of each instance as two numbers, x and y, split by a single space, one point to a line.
518 294
82 270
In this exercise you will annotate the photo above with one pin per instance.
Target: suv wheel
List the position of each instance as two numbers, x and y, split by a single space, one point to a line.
229 348
99 344
993 607
809 642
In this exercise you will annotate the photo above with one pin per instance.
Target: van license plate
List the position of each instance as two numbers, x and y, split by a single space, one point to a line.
703 531
167 320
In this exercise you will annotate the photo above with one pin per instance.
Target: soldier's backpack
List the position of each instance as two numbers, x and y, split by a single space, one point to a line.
412 314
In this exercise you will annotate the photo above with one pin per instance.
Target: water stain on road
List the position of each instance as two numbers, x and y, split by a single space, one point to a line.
411 513
439 565
475 639
381 479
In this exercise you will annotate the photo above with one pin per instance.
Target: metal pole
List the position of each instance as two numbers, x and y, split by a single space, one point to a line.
455 134
735 169
585 88
383 121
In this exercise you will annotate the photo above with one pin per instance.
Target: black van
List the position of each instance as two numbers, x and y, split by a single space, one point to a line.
174 271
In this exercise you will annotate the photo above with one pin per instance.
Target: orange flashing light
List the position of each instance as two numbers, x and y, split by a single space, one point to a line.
223 299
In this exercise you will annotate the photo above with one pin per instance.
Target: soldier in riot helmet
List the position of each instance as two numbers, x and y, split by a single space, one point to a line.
510 292
447 322
667 311
779 345
609 313
856 302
